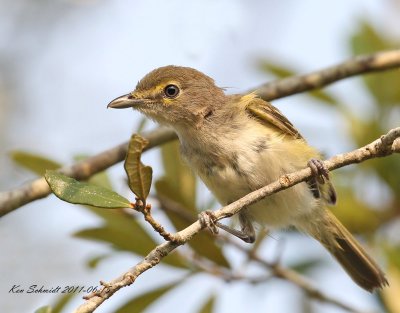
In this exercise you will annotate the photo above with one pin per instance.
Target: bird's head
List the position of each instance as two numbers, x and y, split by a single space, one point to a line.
173 95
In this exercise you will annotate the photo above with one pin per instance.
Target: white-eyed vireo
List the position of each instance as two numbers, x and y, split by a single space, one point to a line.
238 144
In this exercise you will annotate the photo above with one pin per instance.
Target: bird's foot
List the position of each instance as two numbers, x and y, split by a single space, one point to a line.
208 220
319 170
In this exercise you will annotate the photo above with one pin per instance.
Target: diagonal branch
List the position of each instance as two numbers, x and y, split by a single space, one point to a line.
273 267
361 64
383 146
295 278
381 61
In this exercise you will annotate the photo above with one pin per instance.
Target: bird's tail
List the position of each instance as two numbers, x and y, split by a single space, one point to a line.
349 253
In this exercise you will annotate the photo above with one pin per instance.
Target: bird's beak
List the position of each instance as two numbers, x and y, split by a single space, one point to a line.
125 101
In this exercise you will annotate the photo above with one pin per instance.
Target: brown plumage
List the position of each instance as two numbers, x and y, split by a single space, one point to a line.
237 144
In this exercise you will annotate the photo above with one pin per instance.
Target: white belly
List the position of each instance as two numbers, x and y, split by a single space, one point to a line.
253 158
277 210
249 170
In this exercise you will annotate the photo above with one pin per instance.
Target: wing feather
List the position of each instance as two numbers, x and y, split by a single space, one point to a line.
267 114
270 116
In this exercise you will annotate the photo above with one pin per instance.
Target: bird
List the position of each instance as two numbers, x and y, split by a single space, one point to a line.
239 143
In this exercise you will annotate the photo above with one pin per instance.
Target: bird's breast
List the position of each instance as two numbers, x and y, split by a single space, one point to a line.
231 168
235 168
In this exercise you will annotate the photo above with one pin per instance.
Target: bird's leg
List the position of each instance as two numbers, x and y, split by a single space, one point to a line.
321 176
208 220
319 170
247 233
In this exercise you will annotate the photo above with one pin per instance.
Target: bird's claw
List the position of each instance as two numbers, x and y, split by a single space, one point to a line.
319 170
208 220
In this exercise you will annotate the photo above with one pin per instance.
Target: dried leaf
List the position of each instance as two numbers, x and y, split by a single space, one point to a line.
139 175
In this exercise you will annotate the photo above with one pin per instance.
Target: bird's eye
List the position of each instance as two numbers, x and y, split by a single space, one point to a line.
171 91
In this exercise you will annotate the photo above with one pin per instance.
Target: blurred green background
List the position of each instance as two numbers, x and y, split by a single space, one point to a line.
61 62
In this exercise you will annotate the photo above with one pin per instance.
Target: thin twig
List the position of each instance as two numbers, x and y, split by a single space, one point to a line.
377 148
295 278
222 272
145 209
361 64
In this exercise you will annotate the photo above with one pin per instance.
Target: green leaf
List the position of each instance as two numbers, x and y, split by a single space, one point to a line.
304 266
208 306
280 71
142 302
384 87
203 243
392 253
33 162
125 233
139 175
62 302
367 40
94 261
388 168
180 177
121 239
323 96
99 179
44 309
73 191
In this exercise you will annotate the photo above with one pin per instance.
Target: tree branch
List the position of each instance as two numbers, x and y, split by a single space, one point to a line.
381 61
381 147
148 217
295 278
13 199
273 267
367 63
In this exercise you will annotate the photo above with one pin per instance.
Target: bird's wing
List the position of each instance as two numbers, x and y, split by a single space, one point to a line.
267 114
270 116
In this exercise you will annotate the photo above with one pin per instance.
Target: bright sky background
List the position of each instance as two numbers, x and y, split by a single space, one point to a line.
63 61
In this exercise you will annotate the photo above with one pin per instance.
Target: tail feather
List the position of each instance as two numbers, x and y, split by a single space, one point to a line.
348 252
